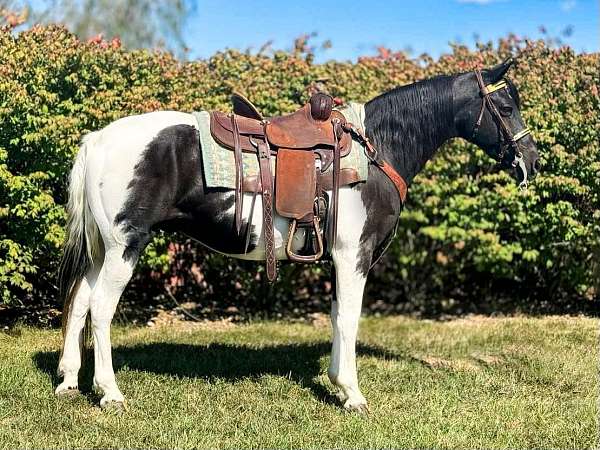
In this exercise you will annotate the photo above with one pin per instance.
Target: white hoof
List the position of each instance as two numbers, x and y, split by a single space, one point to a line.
113 401
358 405
66 389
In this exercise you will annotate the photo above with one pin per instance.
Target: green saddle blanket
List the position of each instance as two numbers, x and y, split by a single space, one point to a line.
219 164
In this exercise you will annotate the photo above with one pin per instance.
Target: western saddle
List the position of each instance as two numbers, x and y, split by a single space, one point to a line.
305 144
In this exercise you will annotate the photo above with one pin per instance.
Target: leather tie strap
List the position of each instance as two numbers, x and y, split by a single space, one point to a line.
239 176
266 178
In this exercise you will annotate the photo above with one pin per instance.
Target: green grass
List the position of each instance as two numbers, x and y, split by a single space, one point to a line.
475 382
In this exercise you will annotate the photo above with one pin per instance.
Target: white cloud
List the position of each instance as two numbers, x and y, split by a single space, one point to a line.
568 5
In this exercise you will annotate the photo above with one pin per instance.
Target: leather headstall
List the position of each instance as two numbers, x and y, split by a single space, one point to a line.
510 140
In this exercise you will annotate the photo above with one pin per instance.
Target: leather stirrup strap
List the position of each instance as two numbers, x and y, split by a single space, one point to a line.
337 132
266 178
239 176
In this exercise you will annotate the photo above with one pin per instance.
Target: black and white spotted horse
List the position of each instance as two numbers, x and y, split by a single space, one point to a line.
144 172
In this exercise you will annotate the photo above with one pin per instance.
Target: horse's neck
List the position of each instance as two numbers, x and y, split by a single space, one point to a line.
408 124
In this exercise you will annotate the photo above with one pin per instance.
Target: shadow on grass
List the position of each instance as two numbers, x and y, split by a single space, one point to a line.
298 362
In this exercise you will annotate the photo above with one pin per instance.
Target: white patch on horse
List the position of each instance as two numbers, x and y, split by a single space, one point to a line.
346 309
112 160
281 228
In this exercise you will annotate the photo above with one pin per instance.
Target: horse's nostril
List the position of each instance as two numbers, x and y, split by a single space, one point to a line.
536 166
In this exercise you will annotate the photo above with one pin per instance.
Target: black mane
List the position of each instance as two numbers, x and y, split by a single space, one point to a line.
408 123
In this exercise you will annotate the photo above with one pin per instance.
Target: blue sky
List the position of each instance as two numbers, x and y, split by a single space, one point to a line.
357 27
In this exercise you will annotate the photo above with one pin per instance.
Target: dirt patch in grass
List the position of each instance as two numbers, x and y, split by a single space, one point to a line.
177 321
454 365
488 360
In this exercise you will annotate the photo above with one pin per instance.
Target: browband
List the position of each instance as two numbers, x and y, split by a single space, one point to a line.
495 87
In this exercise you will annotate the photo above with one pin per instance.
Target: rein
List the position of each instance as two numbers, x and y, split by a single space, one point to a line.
510 140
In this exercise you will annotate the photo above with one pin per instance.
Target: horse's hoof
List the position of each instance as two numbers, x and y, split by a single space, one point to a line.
360 407
115 406
67 391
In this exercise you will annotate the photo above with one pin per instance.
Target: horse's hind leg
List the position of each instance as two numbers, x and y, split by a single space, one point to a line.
113 278
70 361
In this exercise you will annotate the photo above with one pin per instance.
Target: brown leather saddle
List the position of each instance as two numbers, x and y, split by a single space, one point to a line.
305 144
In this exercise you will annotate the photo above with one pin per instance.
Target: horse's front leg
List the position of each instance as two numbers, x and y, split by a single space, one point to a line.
346 307
345 314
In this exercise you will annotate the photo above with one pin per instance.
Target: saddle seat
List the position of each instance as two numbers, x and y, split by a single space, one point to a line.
298 130
306 128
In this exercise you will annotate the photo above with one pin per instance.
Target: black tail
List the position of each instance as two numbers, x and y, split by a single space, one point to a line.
73 266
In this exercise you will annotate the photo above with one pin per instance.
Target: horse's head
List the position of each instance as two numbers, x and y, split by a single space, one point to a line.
487 114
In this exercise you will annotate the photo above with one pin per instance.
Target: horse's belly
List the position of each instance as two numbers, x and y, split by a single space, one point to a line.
281 228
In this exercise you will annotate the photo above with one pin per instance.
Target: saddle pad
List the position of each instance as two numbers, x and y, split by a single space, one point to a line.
219 165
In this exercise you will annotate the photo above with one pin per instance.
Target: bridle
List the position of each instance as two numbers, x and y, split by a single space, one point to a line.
510 140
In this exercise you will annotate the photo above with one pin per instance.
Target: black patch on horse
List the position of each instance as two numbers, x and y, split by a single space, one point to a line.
406 125
168 192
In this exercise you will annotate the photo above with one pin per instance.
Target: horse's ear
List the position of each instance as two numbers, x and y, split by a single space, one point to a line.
496 73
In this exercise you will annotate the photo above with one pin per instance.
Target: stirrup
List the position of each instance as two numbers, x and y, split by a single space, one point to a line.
304 258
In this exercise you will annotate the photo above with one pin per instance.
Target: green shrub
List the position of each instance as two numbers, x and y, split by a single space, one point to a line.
467 234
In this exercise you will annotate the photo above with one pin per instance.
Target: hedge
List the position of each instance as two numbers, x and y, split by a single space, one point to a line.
467 237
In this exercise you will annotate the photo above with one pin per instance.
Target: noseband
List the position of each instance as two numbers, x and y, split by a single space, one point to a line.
510 140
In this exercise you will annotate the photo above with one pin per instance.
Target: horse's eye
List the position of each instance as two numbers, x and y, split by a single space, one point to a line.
506 110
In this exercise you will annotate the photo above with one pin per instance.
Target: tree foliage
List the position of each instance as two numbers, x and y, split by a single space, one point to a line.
467 235
136 23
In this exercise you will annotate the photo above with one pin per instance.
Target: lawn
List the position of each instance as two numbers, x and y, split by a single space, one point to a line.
471 382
